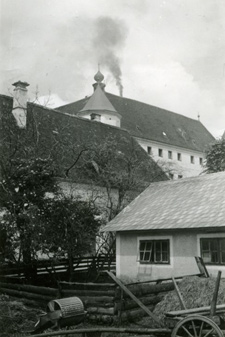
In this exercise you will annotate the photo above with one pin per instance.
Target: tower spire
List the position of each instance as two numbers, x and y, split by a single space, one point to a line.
99 77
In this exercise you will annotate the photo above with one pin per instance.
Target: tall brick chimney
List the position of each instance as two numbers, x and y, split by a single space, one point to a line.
20 103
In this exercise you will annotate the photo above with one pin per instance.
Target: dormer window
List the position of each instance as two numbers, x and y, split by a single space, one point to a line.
96 117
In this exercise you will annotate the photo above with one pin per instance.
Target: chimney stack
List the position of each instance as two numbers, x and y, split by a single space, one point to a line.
20 103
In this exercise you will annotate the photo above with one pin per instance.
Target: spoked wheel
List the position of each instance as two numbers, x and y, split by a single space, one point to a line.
196 326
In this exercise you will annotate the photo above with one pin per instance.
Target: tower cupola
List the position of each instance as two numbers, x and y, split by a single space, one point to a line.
99 77
98 107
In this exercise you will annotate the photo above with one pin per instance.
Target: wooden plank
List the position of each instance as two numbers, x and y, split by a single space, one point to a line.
147 300
219 308
182 304
23 294
93 293
91 331
147 289
128 292
87 286
30 288
201 266
215 295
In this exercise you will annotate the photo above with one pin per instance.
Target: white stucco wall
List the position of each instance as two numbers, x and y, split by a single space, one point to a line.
183 249
182 167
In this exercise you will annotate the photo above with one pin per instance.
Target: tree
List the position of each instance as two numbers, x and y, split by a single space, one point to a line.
23 189
69 228
215 157
121 167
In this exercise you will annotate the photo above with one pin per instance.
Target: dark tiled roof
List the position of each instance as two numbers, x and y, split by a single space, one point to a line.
51 133
189 203
155 124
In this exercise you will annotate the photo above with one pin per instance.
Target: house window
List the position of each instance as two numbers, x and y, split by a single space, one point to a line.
213 250
170 154
154 251
149 150
192 159
160 153
179 156
200 161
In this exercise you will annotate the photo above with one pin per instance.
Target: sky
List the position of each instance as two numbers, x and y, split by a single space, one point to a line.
169 54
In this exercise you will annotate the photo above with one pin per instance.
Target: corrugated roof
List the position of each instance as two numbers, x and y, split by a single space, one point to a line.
197 202
155 124
98 101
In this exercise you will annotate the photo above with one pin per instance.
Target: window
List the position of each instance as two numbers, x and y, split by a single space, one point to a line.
149 150
180 176
192 159
154 251
200 161
179 156
160 153
213 250
170 154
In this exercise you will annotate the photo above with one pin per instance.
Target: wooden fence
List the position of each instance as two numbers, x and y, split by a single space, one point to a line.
104 302
60 267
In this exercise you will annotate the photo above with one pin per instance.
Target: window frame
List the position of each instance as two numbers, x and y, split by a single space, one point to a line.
170 154
192 159
153 243
179 156
160 153
219 250
200 161
149 150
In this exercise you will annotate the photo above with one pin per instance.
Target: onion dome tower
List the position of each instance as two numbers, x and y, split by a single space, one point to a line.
99 77
98 107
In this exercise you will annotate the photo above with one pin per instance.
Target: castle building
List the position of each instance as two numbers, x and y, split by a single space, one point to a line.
177 143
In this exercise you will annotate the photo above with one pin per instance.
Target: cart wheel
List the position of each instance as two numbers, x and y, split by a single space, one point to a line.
196 326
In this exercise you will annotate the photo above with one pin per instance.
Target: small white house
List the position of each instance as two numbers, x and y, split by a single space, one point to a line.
159 234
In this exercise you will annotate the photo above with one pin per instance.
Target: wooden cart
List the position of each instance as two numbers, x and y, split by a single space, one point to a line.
198 322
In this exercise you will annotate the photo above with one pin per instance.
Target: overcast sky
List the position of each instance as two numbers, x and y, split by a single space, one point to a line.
169 54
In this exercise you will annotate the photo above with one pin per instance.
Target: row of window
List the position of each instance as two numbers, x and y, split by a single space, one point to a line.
158 251
170 155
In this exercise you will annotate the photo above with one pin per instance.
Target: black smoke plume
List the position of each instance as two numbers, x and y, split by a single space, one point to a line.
110 37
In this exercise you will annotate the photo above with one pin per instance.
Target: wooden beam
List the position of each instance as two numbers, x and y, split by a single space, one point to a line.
91 331
215 295
128 292
182 304
219 308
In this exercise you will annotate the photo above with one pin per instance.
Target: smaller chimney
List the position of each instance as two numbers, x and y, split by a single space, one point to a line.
96 117
20 103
